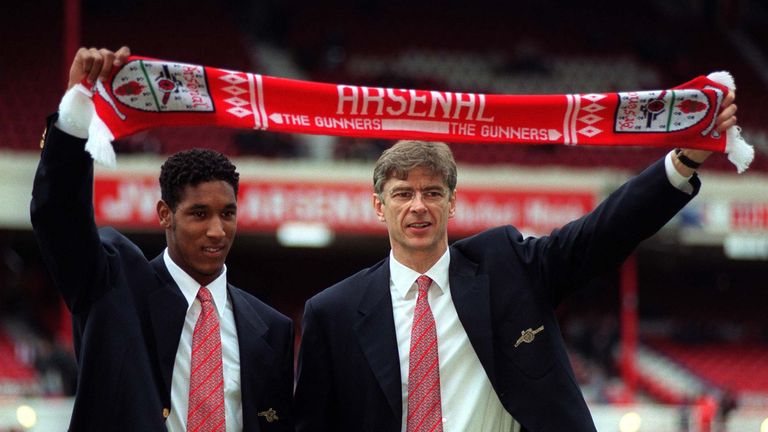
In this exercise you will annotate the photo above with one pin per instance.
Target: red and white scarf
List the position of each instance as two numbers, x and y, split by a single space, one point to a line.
145 93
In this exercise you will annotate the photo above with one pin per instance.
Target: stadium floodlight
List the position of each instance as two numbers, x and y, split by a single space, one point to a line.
26 416
746 246
304 234
630 422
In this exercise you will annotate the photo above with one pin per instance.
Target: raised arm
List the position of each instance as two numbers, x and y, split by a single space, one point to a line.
601 240
62 198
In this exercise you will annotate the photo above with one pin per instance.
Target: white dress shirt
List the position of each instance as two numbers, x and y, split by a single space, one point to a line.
230 350
469 402
675 178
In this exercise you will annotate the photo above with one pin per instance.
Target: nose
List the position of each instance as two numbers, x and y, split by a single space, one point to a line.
417 203
215 228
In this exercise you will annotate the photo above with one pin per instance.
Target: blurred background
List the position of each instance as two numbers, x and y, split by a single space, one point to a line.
675 341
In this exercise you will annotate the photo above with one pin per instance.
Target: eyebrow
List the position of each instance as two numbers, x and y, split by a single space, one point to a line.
410 188
230 206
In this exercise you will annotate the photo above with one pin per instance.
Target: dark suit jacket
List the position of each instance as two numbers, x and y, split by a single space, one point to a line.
128 312
502 284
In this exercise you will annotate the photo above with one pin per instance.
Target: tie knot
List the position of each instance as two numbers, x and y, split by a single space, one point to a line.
424 282
204 295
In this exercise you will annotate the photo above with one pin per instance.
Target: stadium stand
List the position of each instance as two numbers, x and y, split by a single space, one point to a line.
16 377
738 367
365 43
665 380
459 51
361 48
32 88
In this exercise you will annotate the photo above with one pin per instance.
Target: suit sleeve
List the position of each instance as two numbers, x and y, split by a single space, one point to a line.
62 218
602 239
314 385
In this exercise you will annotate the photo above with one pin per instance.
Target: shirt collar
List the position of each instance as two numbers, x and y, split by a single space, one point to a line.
403 279
189 286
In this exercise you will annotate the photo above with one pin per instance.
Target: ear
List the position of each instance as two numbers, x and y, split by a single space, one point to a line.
164 214
452 205
378 207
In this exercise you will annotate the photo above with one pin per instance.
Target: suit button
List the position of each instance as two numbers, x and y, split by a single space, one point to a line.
166 412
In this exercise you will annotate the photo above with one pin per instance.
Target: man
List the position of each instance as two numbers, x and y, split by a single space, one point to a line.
464 337
166 344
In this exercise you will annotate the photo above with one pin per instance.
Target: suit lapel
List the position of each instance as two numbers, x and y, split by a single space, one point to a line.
375 330
256 356
168 307
471 297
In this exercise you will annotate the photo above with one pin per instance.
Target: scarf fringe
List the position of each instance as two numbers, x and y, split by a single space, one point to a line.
76 110
77 117
99 143
723 77
739 152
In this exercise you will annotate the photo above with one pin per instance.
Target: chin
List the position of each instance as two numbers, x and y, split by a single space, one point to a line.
421 247
209 271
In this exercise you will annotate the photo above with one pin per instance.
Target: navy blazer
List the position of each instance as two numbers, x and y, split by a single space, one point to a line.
128 313
502 284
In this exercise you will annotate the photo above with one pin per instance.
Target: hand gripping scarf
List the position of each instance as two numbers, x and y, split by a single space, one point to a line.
144 93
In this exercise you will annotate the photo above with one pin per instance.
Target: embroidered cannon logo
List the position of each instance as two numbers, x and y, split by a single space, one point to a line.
270 415
159 86
660 111
528 335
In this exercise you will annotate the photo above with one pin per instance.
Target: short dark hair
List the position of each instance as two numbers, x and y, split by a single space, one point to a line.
192 167
398 160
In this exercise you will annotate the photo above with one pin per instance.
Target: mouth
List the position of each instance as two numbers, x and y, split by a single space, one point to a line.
418 226
214 251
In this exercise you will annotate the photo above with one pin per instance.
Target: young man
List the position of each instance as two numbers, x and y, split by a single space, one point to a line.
464 337
166 344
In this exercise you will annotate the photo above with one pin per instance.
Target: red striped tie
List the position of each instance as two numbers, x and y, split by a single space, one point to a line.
206 382
425 413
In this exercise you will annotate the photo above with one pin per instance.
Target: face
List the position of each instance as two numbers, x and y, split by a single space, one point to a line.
201 230
416 211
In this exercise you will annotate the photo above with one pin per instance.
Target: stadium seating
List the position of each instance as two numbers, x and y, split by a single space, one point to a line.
460 50
15 376
741 368
32 88
665 380
457 50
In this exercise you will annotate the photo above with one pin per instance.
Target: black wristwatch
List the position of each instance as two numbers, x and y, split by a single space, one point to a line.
685 160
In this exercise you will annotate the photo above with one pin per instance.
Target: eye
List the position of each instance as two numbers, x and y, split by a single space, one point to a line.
433 194
198 214
402 195
229 214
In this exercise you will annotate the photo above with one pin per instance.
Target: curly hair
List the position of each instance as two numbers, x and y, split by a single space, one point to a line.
192 167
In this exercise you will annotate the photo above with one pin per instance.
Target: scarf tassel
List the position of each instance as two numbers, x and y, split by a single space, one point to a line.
739 152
